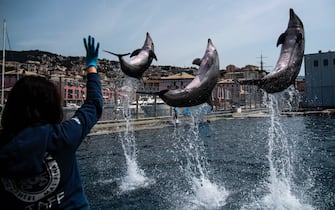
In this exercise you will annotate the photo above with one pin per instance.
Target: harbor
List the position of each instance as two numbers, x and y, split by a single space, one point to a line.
113 126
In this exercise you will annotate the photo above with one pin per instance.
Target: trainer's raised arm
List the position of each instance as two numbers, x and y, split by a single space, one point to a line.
92 53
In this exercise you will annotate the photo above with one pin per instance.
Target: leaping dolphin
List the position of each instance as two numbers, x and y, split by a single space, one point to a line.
199 90
140 59
290 59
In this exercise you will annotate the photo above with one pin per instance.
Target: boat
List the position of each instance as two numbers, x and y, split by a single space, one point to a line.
72 106
133 108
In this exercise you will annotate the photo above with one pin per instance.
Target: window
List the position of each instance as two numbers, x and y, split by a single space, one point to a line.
316 63
325 62
334 61
76 93
69 93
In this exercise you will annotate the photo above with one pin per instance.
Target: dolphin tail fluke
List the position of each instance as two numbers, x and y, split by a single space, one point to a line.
159 93
148 93
144 92
118 55
162 92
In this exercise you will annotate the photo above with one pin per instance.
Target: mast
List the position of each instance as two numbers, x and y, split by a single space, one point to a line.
3 64
261 62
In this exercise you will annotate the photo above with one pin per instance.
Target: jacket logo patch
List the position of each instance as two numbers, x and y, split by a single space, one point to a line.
36 187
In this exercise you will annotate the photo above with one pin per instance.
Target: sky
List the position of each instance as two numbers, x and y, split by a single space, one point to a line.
241 30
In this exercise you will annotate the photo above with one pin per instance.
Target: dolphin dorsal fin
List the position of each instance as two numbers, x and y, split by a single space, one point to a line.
197 61
135 52
281 38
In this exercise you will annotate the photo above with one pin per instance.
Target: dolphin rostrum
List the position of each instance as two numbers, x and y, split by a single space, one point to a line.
140 59
199 90
290 59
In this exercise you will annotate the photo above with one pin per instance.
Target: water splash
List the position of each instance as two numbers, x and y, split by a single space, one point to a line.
280 156
208 194
203 192
135 177
280 185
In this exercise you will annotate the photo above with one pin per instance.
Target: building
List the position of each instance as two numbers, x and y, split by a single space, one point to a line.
225 94
176 81
228 93
319 79
73 89
10 79
68 73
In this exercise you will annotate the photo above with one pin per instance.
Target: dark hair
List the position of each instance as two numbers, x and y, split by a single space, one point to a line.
33 100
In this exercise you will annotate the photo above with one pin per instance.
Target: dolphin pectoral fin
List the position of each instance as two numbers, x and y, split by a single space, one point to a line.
118 55
152 54
281 38
135 52
197 61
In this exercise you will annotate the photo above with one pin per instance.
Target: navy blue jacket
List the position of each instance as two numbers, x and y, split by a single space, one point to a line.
38 167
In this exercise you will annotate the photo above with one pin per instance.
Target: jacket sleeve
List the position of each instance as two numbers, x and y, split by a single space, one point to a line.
74 130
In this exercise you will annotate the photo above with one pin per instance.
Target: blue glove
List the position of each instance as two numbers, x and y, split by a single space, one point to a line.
91 52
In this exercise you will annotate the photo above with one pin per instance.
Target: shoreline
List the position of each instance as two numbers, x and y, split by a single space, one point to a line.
114 126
